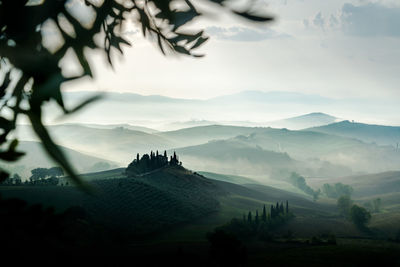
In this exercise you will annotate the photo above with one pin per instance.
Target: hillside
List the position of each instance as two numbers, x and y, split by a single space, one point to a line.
234 179
368 185
36 157
202 134
174 205
304 121
229 156
379 134
138 206
332 154
165 198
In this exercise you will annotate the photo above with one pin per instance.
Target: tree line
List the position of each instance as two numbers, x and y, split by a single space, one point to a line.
255 225
40 176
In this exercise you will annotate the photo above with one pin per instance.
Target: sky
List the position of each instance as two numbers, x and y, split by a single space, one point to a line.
339 49
332 48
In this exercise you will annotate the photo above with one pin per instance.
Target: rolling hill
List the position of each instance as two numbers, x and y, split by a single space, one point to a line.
203 134
304 121
368 185
234 179
232 157
138 206
164 216
168 197
369 133
337 155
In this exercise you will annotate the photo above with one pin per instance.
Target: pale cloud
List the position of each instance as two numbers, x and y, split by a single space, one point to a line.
244 34
371 19
319 21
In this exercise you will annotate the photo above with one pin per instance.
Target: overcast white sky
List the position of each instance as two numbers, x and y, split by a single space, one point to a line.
333 48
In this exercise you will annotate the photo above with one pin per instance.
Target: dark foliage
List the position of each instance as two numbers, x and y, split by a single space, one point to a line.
360 217
12 180
43 173
33 234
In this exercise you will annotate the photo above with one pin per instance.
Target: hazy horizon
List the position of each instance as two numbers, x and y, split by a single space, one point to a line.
246 108
335 49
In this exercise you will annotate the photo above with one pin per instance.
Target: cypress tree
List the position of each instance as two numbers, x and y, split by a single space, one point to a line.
249 217
256 218
264 214
281 209
165 153
272 212
287 207
137 157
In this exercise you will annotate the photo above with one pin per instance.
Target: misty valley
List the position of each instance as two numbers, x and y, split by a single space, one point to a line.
212 195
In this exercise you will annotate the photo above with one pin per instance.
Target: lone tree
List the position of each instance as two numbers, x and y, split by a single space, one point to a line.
360 216
33 75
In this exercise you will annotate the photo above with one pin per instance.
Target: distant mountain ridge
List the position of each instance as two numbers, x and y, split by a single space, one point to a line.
160 112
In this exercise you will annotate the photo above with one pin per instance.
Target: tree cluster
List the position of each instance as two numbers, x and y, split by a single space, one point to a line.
154 161
360 217
44 173
337 190
13 180
354 213
259 226
40 176
277 211
300 182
